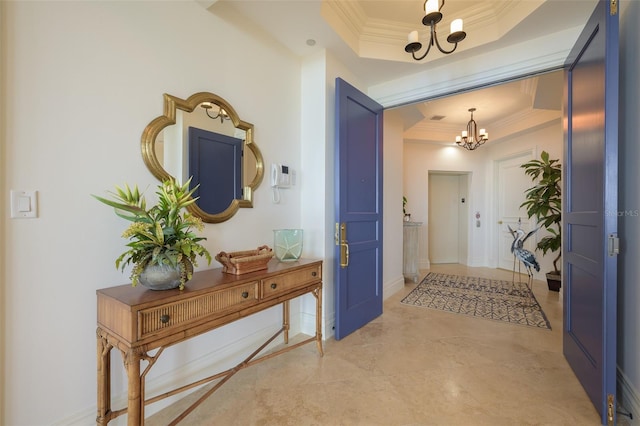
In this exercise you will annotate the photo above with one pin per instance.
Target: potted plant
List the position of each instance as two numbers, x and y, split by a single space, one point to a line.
407 216
543 201
162 245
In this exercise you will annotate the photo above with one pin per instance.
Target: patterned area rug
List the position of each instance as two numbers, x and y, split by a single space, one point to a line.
479 297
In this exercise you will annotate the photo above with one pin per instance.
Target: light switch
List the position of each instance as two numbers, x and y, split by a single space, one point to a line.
24 204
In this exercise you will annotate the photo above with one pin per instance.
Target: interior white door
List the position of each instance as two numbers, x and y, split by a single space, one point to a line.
510 188
444 218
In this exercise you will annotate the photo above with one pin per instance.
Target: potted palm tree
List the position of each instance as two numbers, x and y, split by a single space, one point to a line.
543 202
162 246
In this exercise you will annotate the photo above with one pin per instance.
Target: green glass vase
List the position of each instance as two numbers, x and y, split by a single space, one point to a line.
287 244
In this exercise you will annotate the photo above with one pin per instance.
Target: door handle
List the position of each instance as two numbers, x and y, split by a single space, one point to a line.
344 246
499 222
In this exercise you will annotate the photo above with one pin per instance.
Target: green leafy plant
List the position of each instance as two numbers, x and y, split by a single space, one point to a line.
544 202
161 234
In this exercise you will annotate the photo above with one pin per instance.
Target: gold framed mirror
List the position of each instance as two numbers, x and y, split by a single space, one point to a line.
204 135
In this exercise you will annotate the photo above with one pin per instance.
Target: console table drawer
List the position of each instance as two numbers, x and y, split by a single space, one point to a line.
286 282
172 316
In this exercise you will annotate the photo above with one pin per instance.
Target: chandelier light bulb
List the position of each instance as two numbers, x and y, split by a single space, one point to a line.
430 6
456 26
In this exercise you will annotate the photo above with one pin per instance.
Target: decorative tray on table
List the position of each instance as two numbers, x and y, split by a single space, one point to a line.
243 262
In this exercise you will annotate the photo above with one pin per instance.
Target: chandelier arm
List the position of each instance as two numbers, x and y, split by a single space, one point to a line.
425 53
435 37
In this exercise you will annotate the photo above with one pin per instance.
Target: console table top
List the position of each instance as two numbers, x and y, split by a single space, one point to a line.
202 281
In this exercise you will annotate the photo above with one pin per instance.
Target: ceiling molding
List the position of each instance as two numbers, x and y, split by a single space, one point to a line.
529 86
513 124
490 67
346 18
380 38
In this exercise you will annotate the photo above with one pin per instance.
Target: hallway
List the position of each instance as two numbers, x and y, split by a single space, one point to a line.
411 366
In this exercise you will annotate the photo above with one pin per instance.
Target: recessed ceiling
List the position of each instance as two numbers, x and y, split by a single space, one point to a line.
502 110
368 36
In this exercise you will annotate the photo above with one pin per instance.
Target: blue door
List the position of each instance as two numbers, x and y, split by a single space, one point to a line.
590 209
215 163
358 295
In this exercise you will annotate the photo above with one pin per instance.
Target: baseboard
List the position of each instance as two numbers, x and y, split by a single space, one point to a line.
425 264
628 398
222 358
308 323
391 288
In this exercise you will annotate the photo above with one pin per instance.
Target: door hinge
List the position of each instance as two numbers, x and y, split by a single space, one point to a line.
614 245
611 407
336 235
613 10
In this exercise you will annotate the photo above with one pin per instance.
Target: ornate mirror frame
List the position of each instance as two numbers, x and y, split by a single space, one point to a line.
153 129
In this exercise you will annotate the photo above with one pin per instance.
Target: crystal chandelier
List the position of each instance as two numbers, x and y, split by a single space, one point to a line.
431 18
470 138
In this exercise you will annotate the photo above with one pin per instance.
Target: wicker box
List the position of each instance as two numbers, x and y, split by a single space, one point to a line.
243 262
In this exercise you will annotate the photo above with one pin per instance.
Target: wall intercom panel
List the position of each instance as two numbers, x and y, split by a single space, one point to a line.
280 176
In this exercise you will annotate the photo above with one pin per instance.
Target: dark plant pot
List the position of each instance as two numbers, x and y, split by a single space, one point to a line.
554 281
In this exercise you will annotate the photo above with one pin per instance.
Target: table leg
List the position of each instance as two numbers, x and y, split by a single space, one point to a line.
285 320
135 407
103 351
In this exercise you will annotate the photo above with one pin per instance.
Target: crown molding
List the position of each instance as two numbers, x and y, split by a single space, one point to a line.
514 124
346 18
491 67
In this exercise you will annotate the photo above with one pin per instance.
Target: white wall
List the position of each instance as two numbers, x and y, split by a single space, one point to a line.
629 201
393 229
81 82
420 159
316 191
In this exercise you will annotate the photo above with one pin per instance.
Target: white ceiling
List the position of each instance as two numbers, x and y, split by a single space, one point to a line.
369 36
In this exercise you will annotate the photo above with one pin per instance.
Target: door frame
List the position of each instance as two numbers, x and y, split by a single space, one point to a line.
463 216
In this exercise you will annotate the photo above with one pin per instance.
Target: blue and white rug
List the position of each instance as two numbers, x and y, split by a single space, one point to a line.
479 297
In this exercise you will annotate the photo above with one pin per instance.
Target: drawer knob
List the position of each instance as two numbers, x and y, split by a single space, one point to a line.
314 273
245 294
274 285
165 318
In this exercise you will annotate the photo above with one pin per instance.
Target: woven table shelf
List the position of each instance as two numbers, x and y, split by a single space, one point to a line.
243 262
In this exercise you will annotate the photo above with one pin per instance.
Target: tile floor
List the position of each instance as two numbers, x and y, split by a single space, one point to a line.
411 366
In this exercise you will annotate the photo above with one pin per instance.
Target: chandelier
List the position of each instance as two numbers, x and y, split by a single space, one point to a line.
470 138
221 114
431 18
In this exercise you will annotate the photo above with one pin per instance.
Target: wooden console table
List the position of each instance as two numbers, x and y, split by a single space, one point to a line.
136 320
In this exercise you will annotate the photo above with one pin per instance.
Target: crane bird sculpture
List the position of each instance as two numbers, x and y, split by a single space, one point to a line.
527 258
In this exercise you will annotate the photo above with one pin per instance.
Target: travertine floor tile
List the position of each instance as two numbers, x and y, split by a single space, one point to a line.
411 366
